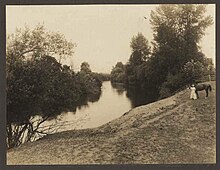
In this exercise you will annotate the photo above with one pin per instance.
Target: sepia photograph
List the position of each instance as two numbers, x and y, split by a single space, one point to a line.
111 84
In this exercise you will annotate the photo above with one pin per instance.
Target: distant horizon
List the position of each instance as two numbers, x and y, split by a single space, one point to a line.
102 32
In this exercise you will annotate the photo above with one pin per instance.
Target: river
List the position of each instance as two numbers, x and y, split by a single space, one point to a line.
113 103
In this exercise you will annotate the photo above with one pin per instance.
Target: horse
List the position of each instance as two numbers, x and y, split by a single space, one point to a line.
203 86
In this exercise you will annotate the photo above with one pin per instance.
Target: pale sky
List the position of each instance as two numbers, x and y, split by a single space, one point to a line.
102 32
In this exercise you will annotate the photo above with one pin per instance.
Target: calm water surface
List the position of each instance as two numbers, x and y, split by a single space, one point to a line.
112 104
114 101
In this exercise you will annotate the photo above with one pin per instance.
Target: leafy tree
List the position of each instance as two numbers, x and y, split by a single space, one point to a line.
178 30
38 87
194 70
140 49
118 73
91 82
38 42
102 76
85 67
173 82
38 84
140 53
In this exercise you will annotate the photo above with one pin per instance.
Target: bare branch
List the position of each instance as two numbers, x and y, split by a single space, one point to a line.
28 51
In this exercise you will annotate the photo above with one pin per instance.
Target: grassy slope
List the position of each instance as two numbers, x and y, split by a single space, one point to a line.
173 130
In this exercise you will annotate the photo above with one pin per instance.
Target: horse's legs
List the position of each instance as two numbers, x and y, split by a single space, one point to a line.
207 92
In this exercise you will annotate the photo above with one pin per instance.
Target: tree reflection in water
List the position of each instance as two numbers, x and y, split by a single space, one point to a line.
137 96
119 88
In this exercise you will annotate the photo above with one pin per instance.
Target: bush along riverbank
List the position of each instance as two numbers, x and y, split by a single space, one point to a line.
172 130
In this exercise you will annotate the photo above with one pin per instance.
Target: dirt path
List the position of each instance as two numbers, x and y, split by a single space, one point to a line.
173 130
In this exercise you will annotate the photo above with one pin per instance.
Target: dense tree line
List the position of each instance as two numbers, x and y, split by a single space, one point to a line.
103 76
118 73
38 84
175 59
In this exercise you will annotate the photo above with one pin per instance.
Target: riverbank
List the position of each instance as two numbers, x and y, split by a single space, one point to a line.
172 130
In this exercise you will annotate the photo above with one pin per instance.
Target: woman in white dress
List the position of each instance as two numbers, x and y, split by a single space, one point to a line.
193 92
